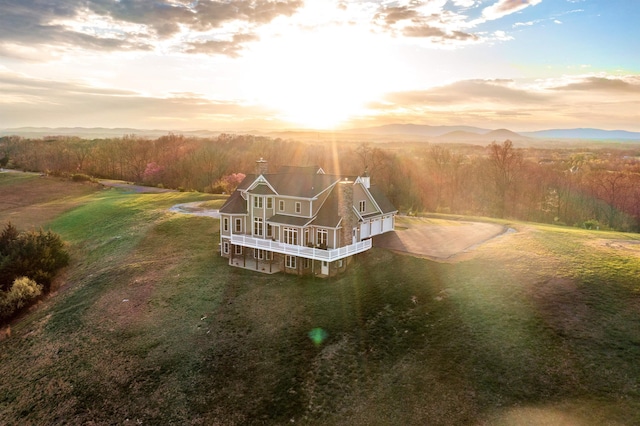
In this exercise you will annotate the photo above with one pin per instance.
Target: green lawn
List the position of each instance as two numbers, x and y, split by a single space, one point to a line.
538 327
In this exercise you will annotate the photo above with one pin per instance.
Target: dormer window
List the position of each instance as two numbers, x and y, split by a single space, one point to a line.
298 207
363 206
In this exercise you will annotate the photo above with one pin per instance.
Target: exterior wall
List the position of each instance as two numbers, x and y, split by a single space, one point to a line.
290 206
359 194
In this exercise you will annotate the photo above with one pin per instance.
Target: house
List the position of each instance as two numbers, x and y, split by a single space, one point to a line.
301 220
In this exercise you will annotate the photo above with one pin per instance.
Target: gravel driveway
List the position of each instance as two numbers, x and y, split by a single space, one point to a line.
439 240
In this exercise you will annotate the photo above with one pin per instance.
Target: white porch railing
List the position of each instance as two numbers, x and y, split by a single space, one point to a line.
329 255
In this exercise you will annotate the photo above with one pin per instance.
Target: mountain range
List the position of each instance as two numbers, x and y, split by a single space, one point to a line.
421 132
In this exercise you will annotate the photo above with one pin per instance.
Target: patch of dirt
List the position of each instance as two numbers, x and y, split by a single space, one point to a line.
562 305
631 247
34 202
442 241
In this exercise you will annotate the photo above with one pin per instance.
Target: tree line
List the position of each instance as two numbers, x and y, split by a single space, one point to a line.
589 186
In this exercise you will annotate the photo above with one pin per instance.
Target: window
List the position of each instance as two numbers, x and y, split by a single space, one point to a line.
298 207
291 236
340 263
363 206
238 225
269 230
323 237
257 226
257 202
269 203
307 263
225 224
225 247
258 254
237 249
290 261
281 205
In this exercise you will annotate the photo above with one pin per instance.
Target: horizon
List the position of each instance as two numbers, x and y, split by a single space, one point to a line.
321 65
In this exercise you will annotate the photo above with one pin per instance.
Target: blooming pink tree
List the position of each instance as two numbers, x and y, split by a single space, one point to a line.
229 183
152 173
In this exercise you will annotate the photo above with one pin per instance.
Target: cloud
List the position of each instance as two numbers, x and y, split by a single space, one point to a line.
231 47
610 101
618 85
466 91
57 103
507 7
427 20
108 25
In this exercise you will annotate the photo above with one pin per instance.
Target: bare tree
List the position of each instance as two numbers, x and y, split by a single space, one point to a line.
505 164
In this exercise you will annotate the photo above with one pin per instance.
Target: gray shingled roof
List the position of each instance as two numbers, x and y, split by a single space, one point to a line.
282 219
328 214
235 204
300 184
381 199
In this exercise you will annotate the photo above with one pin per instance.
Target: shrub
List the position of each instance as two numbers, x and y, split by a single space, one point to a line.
37 255
80 177
23 292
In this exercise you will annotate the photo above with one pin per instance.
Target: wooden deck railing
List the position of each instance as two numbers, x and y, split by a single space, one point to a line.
328 255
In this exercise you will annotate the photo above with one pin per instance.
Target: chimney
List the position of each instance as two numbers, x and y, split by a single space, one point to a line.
366 180
262 166
345 211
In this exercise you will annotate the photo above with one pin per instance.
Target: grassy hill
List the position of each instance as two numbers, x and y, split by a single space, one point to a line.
151 326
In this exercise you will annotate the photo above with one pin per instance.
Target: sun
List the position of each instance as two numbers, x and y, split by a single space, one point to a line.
316 79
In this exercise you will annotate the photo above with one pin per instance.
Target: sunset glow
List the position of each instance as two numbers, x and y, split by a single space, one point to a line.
321 64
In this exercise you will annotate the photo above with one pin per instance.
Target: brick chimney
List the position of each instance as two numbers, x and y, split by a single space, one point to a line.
262 166
345 211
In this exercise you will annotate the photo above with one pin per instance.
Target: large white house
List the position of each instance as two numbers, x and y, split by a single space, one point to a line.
301 220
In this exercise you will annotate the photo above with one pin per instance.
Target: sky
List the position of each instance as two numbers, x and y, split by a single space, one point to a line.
245 65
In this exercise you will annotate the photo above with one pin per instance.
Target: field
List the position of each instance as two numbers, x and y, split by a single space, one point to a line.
148 325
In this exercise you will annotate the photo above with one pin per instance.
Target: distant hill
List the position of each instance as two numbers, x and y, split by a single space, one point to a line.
499 135
410 132
584 133
416 130
97 132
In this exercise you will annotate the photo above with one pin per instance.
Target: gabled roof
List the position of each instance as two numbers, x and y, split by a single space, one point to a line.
328 214
262 189
235 204
381 199
311 170
300 184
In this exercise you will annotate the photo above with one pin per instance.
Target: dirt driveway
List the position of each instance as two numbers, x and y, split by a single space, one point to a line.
437 239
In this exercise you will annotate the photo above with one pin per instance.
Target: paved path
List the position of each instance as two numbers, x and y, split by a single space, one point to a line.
442 240
195 209
133 188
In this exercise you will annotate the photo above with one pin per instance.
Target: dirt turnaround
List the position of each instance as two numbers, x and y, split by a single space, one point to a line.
438 240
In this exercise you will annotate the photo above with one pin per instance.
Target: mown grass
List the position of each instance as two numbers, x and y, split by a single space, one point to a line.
154 327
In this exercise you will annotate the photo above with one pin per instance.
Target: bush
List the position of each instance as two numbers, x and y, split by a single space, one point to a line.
80 177
23 292
37 255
